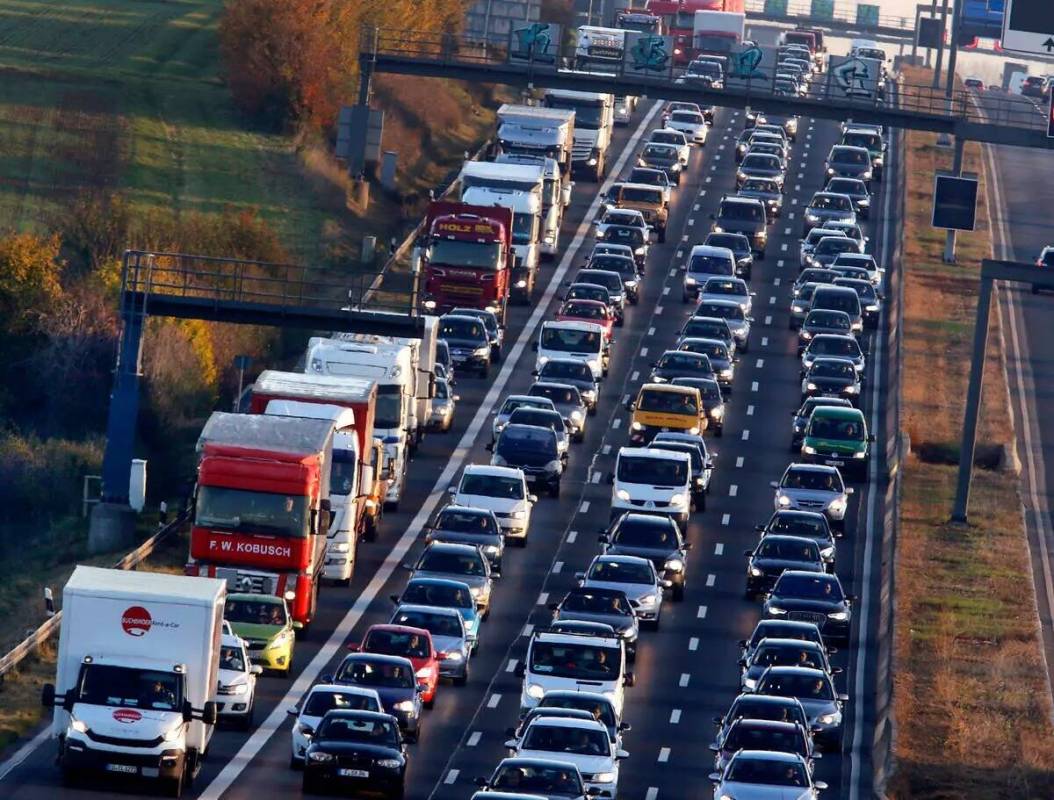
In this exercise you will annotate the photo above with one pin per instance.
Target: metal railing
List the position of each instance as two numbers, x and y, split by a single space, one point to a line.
33 641
845 13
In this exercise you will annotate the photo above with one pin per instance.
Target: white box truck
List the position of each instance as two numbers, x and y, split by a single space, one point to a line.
138 661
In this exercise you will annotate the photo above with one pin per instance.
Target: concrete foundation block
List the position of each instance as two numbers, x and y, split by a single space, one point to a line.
112 528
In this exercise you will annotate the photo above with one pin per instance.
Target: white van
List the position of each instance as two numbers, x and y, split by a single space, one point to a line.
575 662
581 340
705 262
652 481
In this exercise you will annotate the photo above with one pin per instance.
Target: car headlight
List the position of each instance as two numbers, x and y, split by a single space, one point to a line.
647 601
639 251
454 655
79 725
424 672
829 719
535 691
277 642
589 394
319 757
592 161
491 550
776 610
576 416
837 505
637 426
750 684
860 454
428 304
811 386
852 389
864 202
718 229
677 501
482 351
235 689
517 515
809 450
755 572
521 284
877 161
339 547
827 552
830 171
872 307
783 500
797 308
741 175
806 335
404 705
630 284
866 176
550 239
475 591
676 167
674 564
603 777
388 763
812 217
726 373
623 495
717 412
694 431
841 616
306 731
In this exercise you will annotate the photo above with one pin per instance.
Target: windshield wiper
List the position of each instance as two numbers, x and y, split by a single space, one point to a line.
221 522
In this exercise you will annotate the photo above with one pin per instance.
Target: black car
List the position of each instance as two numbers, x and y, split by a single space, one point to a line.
829 248
353 750
656 538
760 734
629 235
392 677
470 346
532 449
767 191
544 418
832 377
495 332
468 525
740 247
744 215
823 321
662 156
624 266
760 165
856 190
713 401
827 207
812 597
681 364
763 706
530 777
845 161
582 290
776 553
781 629
806 524
606 606
573 371
870 299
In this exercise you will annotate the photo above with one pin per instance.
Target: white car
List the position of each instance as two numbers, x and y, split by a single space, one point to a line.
673 137
653 482
321 698
728 289
691 123
235 696
572 662
766 775
582 742
502 490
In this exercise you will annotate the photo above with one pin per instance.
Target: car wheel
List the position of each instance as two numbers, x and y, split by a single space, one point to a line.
620 321
415 736
554 489
662 235
296 763
719 432
462 679
678 592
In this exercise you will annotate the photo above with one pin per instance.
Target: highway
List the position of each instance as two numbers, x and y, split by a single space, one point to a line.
1022 226
686 673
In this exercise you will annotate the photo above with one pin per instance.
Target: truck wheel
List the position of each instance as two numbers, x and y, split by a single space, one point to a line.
391 505
662 235
175 786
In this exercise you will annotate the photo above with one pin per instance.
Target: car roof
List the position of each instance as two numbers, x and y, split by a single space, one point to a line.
574 325
737 200
430 581
666 387
452 547
839 412
395 628
498 472
808 672
570 722
381 658
480 512
445 611
614 559
800 466
775 641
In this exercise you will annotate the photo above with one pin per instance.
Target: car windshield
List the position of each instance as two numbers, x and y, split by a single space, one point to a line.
443 560
654 471
362 672
576 660
787 550
834 202
758 707
822 318
711 265
436 624
707 69
563 739
730 310
451 519
706 329
756 737
835 244
709 389
584 309
525 440
588 293
322 701
621 572
379 732
437 594
663 402
864 289
806 687
638 194
255 612
751 212
559 394
543 419
665 137
870 141
761 161
847 156
835 345
713 350
473 255
847 186
825 427
265 513
767 772
634 533
571 340
809 587
652 176
461 328
812 479
397 643
516 404
128 687
816 234
683 360
736 288
506 488
824 368
798 525
839 300
578 370
537 778
590 602
232 658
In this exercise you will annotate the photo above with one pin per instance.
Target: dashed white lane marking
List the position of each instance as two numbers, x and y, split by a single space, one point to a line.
733 490
673 272
790 215
625 399
711 579
726 518
691 222
745 436
528 630
707 179
511 666
558 567
801 175
739 462
779 263
764 341
606 450
772 300
768 319
652 793
665 290
720 147
616 424
719 549
685 677
695 207
635 375
787 232
474 738
700 612
658 309
675 716
643 352
693 644
702 192
797 187
754 386
494 700
680 253
760 363
783 247
543 598
451 776
776 281
584 508
571 536
717 156
651 331
750 411
595 477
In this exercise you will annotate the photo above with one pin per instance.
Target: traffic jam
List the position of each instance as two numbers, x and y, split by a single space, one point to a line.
292 492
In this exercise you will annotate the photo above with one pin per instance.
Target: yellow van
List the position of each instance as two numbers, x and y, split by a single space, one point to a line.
665 407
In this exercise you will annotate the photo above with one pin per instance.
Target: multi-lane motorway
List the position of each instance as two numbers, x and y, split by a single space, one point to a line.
686 673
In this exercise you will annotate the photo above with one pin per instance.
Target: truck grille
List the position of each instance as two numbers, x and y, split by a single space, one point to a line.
120 741
248 582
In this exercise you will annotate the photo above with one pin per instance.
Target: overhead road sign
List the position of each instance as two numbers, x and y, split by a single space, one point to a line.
1050 117
823 9
1028 27
867 15
534 43
955 201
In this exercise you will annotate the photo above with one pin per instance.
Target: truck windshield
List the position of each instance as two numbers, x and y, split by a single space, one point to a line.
654 471
477 255
253 512
523 228
664 402
566 340
587 115
389 412
715 43
590 662
128 687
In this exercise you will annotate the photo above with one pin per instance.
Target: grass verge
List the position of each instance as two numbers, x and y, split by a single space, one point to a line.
971 701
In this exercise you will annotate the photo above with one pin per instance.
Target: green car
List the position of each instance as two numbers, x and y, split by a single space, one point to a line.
264 622
838 437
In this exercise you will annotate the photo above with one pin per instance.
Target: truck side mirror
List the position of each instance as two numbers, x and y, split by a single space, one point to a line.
47 695
208 713
188 711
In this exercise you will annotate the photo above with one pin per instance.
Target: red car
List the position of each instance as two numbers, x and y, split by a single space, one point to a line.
412 643
588 311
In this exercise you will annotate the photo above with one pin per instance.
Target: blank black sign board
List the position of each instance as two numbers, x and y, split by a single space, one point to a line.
955 201
930 32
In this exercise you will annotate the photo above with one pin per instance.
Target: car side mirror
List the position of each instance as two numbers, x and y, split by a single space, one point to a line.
748 553
394 598
451 490
629 679
631 406
666 583
533 498
625 727
759 528
820 785
837 670
456 398
714 777
354 647
297 625
850 490
481 783
774 484
621 754
718 720
256 669
871 437
580 576
843 698
714 748
742 662
510 744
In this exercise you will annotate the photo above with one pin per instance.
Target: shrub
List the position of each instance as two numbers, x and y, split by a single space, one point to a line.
41 479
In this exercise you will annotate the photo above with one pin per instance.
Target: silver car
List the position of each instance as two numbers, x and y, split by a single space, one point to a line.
449 638
459 562
444 404
568 401
720 354
801 304
728 289
731 312
809 241
766 775
635 577
833 345
512 402
813 487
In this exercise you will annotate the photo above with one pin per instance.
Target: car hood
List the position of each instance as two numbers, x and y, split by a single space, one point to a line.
740 225
828 213
501 505
472 581
756 791
775 566
633 591
391 695
837 445
811 494
587 765
445 644
528 458
619 622
809 605
658 419
372 751
814 709
464 344
249 630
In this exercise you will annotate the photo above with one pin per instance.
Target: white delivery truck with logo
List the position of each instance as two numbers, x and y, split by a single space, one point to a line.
138 661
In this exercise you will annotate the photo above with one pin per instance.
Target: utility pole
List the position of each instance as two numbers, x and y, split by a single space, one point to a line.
940 46
949 87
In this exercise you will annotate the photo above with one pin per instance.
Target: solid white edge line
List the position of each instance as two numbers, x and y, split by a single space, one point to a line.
24 752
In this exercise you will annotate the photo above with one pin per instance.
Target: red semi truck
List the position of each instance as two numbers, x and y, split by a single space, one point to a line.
262 506
467 257
679 21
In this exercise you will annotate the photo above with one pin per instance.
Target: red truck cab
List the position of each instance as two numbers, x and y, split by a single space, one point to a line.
678 17
467 257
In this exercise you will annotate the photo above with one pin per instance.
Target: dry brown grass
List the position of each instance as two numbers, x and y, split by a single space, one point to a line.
971 701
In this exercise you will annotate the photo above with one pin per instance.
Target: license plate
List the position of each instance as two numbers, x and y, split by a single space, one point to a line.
353 773
126 768
832 462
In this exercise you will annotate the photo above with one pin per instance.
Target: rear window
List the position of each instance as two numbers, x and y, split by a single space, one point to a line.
636 194
742 211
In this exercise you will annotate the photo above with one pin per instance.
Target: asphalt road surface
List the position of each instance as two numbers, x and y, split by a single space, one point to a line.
686 672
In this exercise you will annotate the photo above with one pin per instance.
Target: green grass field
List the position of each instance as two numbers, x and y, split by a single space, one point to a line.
127 94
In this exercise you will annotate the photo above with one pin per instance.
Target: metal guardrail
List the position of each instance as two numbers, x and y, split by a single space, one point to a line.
29 645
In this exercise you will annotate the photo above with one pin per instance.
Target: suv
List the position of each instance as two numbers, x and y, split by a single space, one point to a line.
533 450
838 436
846 161
747 216
872 141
